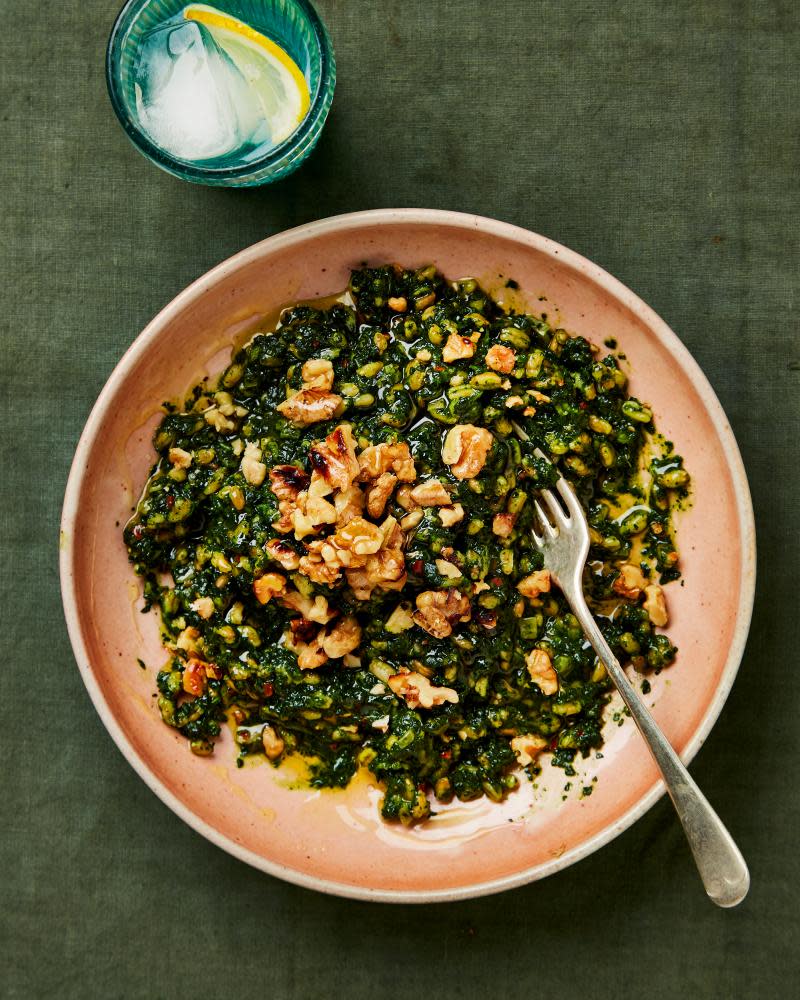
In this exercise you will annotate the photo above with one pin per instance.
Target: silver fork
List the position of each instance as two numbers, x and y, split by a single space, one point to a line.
564 543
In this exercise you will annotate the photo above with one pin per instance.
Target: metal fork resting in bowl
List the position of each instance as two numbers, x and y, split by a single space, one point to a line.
564 543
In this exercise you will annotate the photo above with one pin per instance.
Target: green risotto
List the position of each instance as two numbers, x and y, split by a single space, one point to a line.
337 537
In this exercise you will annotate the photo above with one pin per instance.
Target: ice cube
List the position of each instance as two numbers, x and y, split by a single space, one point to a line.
192 101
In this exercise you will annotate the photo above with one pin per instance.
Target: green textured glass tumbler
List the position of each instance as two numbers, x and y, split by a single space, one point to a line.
293 24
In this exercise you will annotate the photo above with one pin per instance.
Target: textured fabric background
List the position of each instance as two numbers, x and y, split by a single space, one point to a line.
660 140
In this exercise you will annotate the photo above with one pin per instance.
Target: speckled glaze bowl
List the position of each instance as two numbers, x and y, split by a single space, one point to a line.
334 841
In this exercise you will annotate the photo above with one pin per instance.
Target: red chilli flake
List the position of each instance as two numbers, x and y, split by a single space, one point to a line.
496 581
584 406
138 531
268 690
446 754
170 501
417 566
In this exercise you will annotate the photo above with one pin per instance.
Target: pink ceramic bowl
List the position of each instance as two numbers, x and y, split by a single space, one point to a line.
334 841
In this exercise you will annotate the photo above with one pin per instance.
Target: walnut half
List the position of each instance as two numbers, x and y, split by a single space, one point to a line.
465 450
309 406
419 692
438 610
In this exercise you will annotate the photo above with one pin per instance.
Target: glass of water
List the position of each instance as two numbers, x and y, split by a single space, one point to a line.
233 94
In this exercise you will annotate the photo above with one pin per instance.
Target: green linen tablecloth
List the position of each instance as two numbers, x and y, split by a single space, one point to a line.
657 138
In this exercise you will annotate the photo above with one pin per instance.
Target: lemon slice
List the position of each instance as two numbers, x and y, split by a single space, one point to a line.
274 76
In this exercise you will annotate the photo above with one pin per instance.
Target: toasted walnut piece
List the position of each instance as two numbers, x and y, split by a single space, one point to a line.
411 520
501 359
193 677
302 630
302 524
310 514
457 347
362 586
399 620
187 639
336 556
535 584
318 487
419 692
379 458
392 534
348 504
438 610
630 583
397 303
317 373
316 569
655 605
448 569
320 511
451 515
288 481
342 638
465 449
217 419
382 724
529 411
285 522
403 497
179 458
431 494
503 524
541 671
309 406
334 459
282 553
363 537
310 655
526 747
204 607
384 570
253 469
224 401
378 495
313 609
272 743
539 396
267 586
479 586
390 565
403 466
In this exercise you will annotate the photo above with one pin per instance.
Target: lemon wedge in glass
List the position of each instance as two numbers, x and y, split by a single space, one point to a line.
269 70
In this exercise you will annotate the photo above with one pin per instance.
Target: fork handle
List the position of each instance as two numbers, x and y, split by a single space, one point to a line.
719 861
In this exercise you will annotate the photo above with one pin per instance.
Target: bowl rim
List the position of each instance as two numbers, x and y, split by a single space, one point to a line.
186 169
428 217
